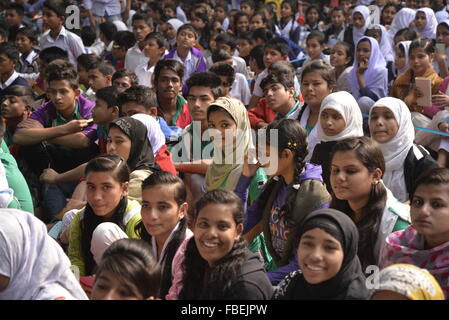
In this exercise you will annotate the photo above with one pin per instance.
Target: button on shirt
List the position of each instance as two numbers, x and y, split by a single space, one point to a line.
67 41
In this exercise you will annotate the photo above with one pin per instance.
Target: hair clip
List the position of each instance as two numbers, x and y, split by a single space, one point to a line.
290 144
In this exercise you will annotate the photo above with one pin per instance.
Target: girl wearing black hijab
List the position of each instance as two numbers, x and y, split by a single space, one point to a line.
128 138
327 256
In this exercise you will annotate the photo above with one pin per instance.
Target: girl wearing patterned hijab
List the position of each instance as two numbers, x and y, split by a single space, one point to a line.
343 278
391 126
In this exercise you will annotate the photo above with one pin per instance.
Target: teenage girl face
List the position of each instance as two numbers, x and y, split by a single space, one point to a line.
242 24
419 60
215 232
399 60
430 212
13 107
286 10
314 48
350 179
339 57
332 122
443 34
337 18
257 22
222 121
383 125
358 20
108 287
420 20
320 256
160 212
185 39
363 51
314 89
118 143
312 16
104 193
388 15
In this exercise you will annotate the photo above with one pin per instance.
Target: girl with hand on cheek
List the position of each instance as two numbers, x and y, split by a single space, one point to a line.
327 256
217 264
127 271
426 242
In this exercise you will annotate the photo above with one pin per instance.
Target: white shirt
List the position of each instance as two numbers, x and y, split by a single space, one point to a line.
101 8
144 74
189 64
240 89
67 41
134 58
239 65
8 82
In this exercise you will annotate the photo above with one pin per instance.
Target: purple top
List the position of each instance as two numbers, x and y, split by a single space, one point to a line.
253 214
46 116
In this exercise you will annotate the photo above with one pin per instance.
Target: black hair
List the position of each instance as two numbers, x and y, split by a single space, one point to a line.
124 39
286 80
257 54
338 8
3 33
25 93
50 54
435 176
263 34
87 59
57 6
62 70
120 171
104 67
200 281
326 72
388 5
10 50
318 35
423 43
408 34
168 64
163 178
369 154
139 94
278 44
220 55
109 95
108 29
206 79
187 27
236 19
222 5
290 136
159 37
143 16
88 36
313 7
227 39
131 261
250 3
126 73
248 36
225 70
349 51
293 5
30 33
18 8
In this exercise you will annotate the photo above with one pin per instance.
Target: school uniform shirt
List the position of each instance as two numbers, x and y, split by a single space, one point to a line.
14 79
67 41
182 118
401 20
240 89
257 91
312 135
28 64
102 8
193 63
144 74
334 36
134 57
291 30
239 65
358 33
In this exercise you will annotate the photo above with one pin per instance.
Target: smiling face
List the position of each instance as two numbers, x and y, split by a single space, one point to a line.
160 212
257 22
242 24
430 212
419 60
383 125
320 256
104 193
24 44
332 122
215 232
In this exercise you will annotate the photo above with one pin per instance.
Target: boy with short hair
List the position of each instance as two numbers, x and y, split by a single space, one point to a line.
275 50
9 58
142 26
14 17
46 56
125 78
57 35
154 50
123 41
227 42
26 40
100 75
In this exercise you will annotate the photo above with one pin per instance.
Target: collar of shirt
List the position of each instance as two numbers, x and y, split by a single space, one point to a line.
30 57
8 82
62 33
60 120
188 58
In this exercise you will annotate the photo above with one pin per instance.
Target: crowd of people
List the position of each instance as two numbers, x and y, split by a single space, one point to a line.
244 149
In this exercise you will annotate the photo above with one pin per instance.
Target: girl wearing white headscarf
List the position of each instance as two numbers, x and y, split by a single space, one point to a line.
401 20
404 161
374 79
35 265
430 29
402 51
347 110
174 24
358 33
384 43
